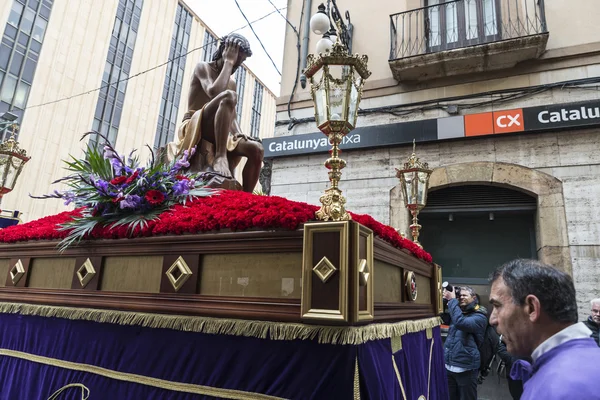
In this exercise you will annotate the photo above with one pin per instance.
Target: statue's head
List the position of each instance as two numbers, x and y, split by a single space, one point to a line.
244 53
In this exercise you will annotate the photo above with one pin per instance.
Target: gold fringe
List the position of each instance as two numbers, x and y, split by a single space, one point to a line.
140 379
236 327
429 333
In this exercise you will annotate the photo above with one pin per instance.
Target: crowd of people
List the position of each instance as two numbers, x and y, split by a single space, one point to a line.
532 328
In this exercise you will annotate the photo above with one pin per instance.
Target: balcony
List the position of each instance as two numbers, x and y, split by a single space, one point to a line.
465 37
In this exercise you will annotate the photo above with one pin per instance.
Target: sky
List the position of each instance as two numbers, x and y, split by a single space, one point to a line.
223 16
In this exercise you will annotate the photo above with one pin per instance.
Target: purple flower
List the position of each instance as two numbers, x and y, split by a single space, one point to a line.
131 201
181 188
68 197
109 153
117 165
101 185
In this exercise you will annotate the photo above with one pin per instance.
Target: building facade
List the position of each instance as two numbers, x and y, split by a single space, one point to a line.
503 101
141 55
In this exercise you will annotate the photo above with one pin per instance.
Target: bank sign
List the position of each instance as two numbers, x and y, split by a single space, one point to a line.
531 119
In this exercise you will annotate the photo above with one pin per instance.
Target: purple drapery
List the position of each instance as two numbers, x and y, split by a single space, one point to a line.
296 369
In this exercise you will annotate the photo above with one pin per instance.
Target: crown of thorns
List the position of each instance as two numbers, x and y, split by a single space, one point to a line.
244 45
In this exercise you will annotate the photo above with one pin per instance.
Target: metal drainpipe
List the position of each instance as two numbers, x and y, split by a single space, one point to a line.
306 32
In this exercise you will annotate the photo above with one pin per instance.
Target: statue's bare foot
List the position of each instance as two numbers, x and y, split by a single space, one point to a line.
221 166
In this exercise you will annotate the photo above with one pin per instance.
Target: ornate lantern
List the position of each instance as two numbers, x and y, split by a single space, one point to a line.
12 160
414 178
336 79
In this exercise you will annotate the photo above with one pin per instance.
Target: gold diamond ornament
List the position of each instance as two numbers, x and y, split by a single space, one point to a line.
17 272
86 272
324 269
178 273
363 272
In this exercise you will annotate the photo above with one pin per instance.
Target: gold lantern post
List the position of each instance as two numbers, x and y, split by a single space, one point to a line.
336 78
12 160
414 178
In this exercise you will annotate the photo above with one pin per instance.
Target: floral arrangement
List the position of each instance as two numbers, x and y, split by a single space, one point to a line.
112 191
232 210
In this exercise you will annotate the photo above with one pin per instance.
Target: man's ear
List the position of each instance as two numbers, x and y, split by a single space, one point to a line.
533 308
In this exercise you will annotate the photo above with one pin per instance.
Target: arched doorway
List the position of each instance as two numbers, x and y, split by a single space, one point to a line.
471 229
551 238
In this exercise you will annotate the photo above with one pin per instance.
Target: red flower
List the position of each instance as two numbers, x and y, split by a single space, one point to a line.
155 197
132 177
118 180
182 178
117 199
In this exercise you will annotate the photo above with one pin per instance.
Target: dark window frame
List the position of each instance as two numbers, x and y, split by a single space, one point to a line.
240 85
109 108
25 48
171 94
256 109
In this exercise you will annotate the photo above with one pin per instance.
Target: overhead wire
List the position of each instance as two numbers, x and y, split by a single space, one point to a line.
505 95
289 104
257 38
149 69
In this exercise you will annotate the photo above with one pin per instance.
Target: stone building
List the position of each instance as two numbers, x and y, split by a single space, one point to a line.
502 98
55 52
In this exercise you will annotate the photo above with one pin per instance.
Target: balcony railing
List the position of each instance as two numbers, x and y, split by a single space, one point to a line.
463 23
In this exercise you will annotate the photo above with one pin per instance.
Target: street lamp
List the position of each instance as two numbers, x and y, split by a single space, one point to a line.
337 80
414 178
12 160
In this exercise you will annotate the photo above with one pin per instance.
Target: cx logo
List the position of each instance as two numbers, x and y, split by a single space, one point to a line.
508 121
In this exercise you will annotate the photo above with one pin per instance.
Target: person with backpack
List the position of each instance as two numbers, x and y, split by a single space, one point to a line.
468 323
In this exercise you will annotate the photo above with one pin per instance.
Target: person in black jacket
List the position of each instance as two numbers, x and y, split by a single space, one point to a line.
593 321
514 387
468 321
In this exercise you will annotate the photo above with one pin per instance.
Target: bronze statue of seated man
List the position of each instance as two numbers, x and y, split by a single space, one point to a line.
210 124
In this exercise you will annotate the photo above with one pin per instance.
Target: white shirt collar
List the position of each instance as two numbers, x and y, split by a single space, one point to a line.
575 331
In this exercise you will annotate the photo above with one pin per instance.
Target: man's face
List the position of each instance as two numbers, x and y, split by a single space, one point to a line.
511 320
465 298
596 313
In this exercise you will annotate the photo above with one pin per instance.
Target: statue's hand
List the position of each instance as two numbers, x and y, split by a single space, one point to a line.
231 51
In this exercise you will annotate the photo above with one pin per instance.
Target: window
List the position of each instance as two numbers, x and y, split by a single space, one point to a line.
461 23
167 118
240 83
19 52
118 63
256 108
210 46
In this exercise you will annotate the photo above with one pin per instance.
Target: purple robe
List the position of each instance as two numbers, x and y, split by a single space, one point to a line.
570 370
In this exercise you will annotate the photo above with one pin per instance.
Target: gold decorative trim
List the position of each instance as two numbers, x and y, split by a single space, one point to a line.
429 333
411 285
340 335
396 342
308 311
364 272
17 272
439 294
356 380
139 379
324 269
181 267
398 377
86 272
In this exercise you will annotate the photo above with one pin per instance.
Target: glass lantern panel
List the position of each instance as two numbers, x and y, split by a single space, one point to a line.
320 105
422 187
14 168
410 188
3 165
338 92
353 104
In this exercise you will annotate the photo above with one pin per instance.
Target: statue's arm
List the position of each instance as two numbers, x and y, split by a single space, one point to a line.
213 87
